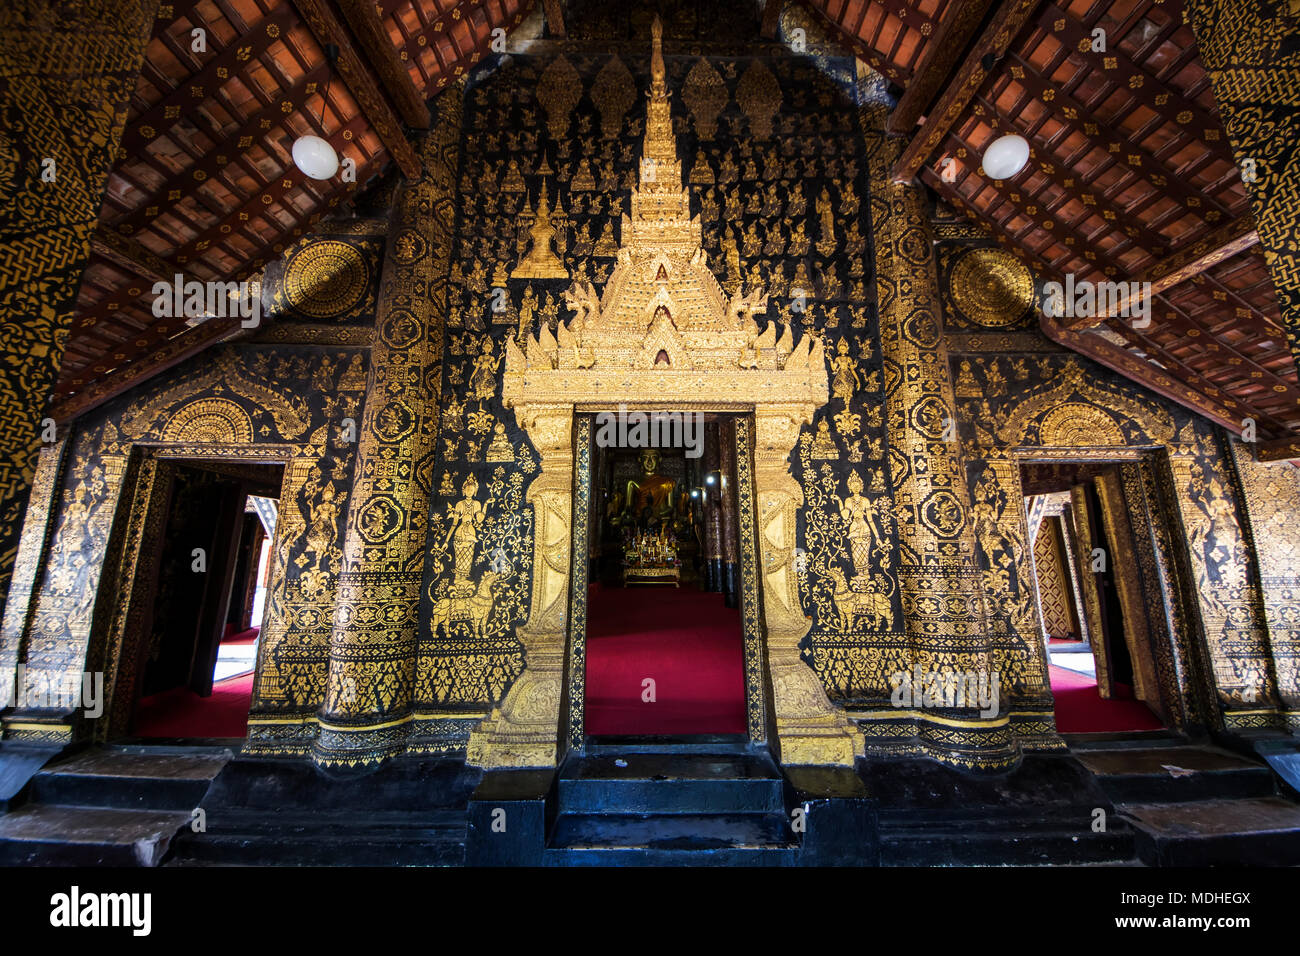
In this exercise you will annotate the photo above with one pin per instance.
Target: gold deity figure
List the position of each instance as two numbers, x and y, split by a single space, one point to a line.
653 492
466 517
844 371
483 380
826 211
859 516
526 309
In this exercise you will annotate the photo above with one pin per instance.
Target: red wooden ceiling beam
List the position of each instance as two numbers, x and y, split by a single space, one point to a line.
374 105
378 46
192 91
1223 243
1093 346
1007 21
252 208
941 53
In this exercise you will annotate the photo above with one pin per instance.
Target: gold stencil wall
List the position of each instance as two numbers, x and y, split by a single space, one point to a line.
1021 398
1272 493
236 403
66 74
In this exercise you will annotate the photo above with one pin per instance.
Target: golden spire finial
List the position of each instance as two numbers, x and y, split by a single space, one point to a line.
658 75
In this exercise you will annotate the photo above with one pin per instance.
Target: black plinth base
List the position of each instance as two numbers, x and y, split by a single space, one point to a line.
409 811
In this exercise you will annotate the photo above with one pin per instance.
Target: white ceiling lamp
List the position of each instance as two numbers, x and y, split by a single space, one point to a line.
311 154
1006 156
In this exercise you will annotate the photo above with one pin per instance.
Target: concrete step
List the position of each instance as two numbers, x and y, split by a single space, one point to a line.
1252 832
54 835
1173 774
130 778
671 783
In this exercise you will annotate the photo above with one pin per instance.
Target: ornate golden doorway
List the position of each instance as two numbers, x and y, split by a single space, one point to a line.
757 700
663 327
535 722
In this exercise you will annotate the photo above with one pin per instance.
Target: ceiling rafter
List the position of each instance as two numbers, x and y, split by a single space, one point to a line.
223 67
271 117
1223 243
864 51
1145 86
254 205
1070 112
1087 344
1074 185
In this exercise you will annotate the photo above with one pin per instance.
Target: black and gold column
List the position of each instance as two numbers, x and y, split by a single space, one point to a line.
368 702
66 75
940 583
1250 53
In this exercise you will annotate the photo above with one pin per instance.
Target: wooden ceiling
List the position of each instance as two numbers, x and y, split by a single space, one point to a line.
1130 175
204 183
1130 178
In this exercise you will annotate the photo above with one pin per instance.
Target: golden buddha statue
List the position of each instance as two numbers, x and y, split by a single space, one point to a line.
651 499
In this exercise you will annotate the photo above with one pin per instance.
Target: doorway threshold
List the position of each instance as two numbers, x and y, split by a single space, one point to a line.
669 743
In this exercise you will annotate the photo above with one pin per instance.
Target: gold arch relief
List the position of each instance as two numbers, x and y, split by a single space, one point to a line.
1098 416
661 297
210 420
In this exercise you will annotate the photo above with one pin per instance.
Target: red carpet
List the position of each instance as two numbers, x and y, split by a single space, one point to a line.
242 637
689 642
1079 709
182 713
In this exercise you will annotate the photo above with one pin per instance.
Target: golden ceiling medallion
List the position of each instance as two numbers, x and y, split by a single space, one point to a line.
326 279
992 288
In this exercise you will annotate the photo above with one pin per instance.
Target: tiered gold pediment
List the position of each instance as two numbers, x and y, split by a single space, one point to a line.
663 314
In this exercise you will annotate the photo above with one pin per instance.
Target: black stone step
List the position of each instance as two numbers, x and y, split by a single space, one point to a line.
629 839
671 783
1002 840
1175 774
87 836
384 838
1253 832
1127 740
130 778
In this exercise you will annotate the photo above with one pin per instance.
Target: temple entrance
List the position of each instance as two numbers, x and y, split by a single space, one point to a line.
1097 574
194 643
664 637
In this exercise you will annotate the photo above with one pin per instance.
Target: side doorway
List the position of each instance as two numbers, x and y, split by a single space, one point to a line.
191 641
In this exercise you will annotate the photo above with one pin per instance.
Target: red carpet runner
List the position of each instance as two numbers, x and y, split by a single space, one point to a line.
183 713
1079 709
687 641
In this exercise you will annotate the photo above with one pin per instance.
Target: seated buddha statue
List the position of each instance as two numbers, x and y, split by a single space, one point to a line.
649 500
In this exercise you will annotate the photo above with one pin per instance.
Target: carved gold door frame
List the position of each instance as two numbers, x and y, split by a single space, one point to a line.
756 704
534 722
139 544
1171 645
